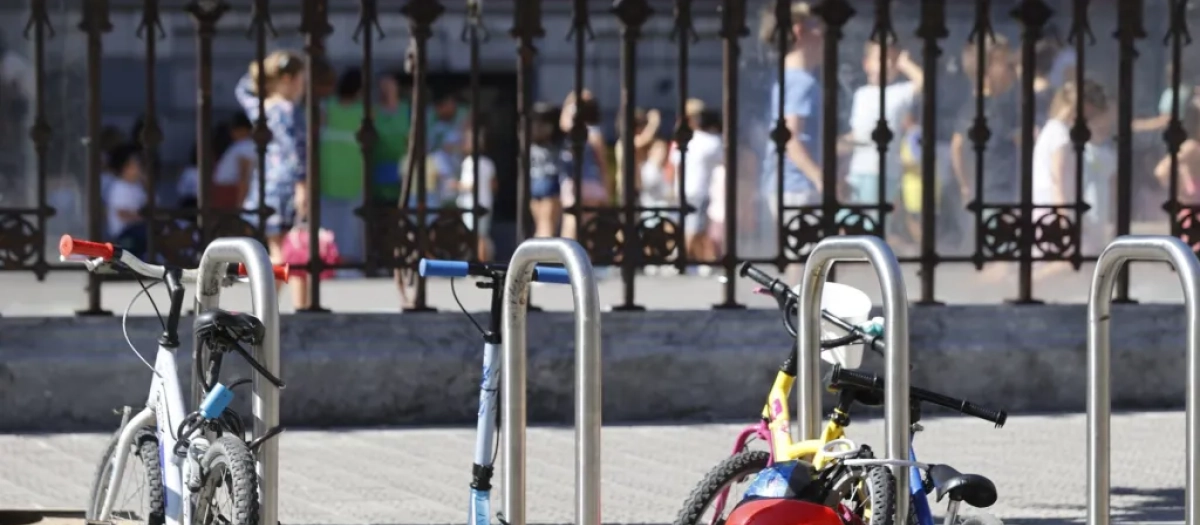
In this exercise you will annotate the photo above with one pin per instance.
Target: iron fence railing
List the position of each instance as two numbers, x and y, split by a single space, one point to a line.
943 37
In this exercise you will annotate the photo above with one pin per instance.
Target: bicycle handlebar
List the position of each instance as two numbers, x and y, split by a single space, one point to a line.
869 381
785 296
70 247
440 268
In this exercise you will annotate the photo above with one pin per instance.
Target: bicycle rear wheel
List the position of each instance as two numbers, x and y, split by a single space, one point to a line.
738 468
142 498
227 471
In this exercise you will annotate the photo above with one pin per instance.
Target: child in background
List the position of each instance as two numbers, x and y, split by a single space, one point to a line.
235 168
125 198
286 188
1053 152
1188 186
486 181
545 169
865 112
187 189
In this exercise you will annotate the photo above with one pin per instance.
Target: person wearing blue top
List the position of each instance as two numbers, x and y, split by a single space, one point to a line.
802 98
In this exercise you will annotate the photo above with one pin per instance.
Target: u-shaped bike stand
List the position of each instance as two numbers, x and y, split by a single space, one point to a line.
587 375
808 347
213 264
1099 399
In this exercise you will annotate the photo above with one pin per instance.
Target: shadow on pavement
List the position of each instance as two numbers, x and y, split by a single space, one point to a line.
1163 505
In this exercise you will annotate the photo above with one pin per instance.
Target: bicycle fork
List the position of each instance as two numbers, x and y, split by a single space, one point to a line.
129 429
485 436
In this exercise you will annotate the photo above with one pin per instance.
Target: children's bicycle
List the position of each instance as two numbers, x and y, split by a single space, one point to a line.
185 461
488 422
795 493
774 427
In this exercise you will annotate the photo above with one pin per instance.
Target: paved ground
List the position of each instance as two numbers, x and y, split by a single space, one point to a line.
419 476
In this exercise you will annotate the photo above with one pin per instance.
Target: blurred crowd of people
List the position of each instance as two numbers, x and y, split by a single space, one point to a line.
665 177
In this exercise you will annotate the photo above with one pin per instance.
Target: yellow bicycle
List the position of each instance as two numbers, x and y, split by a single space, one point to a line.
877 489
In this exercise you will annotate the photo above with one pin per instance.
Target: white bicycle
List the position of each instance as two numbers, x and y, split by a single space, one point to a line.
205 451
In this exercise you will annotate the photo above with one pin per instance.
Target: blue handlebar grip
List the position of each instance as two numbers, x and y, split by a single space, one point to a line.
215 402
550 274
436 268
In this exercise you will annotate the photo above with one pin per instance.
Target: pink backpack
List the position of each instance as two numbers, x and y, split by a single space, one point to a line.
295 250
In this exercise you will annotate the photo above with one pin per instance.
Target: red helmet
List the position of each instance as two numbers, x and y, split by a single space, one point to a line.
780 511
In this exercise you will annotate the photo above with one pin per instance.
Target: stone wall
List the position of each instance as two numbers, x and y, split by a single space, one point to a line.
70 373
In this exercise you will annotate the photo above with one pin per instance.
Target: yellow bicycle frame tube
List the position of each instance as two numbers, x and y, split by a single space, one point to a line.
779 418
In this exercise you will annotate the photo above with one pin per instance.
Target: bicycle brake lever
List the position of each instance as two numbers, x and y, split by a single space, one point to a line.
97 265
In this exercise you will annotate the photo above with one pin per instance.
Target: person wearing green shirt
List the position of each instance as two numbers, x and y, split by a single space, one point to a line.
342 166
392 121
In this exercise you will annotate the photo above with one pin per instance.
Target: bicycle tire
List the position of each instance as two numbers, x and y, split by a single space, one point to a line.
145 448
229 464
880 486
729 470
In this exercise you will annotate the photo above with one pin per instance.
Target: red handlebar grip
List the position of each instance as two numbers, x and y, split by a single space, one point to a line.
68 246
282 271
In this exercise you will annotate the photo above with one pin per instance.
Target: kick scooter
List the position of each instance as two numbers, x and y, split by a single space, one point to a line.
488 422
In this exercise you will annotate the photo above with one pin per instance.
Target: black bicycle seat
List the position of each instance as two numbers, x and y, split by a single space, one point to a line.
229 326
973 489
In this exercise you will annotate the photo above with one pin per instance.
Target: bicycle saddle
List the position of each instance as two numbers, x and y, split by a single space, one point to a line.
217 325
973 489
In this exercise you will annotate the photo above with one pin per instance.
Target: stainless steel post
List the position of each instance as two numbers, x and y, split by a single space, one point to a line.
1099 400
213 265
808 348
587 375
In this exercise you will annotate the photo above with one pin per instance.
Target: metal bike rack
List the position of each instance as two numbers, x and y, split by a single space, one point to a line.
587 375
213 268
1099 400
808 347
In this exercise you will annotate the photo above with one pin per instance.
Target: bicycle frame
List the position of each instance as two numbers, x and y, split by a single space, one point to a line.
164 409
774 428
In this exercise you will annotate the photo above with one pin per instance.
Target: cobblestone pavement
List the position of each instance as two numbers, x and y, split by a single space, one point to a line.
420 476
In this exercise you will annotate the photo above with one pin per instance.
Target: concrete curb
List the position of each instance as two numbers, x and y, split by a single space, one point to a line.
70 373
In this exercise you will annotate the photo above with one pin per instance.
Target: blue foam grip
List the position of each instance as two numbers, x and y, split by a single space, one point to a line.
550 274
436 268
215 402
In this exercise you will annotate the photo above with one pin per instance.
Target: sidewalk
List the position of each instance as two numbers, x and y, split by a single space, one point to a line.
420 476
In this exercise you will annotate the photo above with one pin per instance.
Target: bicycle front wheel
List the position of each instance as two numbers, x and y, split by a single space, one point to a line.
874 498
141 497
228 492
700 507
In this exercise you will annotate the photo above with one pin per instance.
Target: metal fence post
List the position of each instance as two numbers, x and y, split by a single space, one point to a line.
587 375
1099 399
247 251
895 310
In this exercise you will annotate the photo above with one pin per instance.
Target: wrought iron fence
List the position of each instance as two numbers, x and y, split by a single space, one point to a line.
958 207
